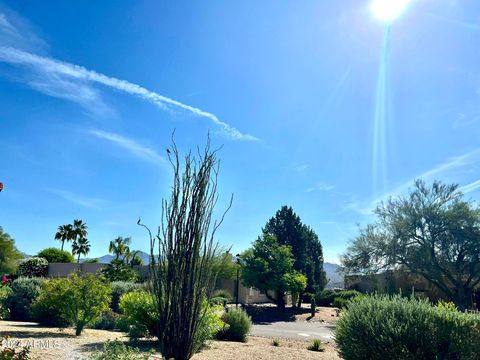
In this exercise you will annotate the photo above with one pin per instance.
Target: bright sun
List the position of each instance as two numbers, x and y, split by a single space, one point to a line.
388 10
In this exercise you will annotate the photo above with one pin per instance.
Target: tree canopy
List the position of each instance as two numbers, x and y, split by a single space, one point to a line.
306 247
9 255
268 265
432 232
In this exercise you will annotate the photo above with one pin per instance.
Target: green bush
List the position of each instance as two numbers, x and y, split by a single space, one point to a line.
122 287
327 297
210 326
107 321
5 292
239 325
33 267
23 292
139 309
221 293
316 345
217 300
46 308
54 255
117 350
80 300
383 327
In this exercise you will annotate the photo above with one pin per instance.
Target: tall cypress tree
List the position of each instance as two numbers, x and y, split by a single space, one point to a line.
306 247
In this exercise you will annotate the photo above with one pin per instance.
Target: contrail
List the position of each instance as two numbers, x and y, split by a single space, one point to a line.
48 65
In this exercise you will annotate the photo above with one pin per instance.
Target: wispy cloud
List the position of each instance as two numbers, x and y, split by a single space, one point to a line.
64 73
302 168
134 147
470 187
88 202
452 169
73 82
321 186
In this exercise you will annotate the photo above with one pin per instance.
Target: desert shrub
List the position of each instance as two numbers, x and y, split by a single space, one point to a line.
239 325
106 321
13 353
221 293
327 297
122 323
276 342
33 267
47 308
118 271
23 292
117 350
80 300
210 325
139 309
122 287
217 300
447 306
54 255
5 292
316 345
383 327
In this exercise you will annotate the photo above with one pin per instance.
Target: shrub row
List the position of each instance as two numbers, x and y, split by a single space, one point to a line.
383 327
327 297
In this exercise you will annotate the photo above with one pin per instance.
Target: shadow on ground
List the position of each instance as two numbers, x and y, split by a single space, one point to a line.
263 315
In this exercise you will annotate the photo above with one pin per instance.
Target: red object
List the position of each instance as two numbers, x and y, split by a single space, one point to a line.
1 186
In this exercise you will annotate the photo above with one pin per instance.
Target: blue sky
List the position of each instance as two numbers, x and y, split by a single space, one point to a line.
91 91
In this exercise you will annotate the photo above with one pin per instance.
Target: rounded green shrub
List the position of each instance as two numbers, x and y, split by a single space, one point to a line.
54 255
210 325
107 321
139 309
23 292
33 267
122 287
239 325
221 293
383 327
47 308
328 296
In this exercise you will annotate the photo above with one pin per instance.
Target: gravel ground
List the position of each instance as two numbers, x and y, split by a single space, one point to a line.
53 343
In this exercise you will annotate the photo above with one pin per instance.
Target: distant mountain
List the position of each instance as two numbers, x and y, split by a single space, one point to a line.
335 279
105 259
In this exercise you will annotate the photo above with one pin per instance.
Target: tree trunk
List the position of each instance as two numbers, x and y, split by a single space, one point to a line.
299 304
78 259
62 244
281 300
79 328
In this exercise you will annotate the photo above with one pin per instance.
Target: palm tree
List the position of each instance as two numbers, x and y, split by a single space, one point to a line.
119 247
64 233
79 231
81 247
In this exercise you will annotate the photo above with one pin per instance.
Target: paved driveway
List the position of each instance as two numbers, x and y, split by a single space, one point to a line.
295 330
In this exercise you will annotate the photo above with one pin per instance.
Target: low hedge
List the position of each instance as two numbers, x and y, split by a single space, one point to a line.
382 327
327 297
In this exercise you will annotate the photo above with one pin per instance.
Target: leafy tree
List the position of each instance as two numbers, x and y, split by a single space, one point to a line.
81 247
119 247
225 267
79 299
54 255
306 247
9 255
268 266
64 234
432 232
116 270
182 253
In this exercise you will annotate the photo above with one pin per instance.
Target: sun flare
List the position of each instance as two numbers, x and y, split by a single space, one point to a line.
388 10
